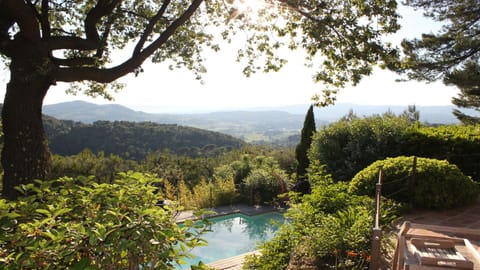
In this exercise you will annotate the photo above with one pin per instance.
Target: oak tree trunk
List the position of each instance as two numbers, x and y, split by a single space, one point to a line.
25 155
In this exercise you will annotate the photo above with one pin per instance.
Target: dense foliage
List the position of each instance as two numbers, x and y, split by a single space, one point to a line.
206 194
134 140
432 183
259 178
86 163
76 223
305 142
451 54
458 144
331 227
353 143
195 182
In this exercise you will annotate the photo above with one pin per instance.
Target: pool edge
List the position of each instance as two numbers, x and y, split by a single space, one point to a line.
228 210
232 263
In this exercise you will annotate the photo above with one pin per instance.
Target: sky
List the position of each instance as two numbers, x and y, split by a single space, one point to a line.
159 89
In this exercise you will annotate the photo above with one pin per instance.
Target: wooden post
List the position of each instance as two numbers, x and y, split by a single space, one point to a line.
375 261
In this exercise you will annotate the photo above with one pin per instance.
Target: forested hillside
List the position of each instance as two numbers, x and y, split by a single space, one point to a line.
269 125
133 140
265 126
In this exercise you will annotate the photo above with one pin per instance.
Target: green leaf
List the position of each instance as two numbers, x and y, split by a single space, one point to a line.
62 211
83 264
44 212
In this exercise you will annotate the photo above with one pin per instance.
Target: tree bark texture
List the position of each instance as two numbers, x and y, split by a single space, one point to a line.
25 155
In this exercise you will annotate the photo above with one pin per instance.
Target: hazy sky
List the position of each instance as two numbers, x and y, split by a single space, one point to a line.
160 89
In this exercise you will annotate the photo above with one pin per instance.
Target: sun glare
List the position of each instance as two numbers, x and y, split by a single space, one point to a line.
253 6
250 8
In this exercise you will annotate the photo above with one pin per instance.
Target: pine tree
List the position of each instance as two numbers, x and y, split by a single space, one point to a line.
305 141
452 54
411 114
468 81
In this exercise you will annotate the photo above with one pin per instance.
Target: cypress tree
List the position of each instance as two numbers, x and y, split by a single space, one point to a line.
305 141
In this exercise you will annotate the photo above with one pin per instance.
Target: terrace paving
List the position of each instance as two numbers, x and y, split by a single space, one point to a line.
462 217
461 222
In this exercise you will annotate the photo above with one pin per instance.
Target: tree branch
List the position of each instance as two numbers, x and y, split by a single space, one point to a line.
71 42
79 61
92 40
20 13
319 21
150 26
44 19
106 33
102 8
5 23
110 74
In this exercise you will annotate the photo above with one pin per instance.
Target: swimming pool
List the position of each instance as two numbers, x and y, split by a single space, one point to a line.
233 235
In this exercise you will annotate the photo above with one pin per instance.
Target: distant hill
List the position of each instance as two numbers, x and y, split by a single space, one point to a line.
133 140
428 114
260 125
89 112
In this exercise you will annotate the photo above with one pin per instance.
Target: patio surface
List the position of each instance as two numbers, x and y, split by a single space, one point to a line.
232 263
462 217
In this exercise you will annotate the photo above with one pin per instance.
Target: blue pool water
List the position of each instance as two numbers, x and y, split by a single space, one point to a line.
233 235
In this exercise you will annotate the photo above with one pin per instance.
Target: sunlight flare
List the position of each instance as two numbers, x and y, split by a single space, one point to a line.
249 10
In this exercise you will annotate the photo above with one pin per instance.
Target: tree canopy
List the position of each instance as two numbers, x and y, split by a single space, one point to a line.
50 41
452 54
136 140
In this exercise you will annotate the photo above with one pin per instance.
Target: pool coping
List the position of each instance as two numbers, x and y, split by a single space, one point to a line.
249 210
232 263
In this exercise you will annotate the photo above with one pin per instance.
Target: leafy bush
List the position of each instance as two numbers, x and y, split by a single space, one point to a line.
261 186
214 193
437 183
349 145
259 177
79 224
459 144
104 168
323 225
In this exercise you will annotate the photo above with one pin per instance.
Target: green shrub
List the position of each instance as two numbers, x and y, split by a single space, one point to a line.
437 184
79 224
259 178
459 144
323 225
275 253
213 193
351 144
